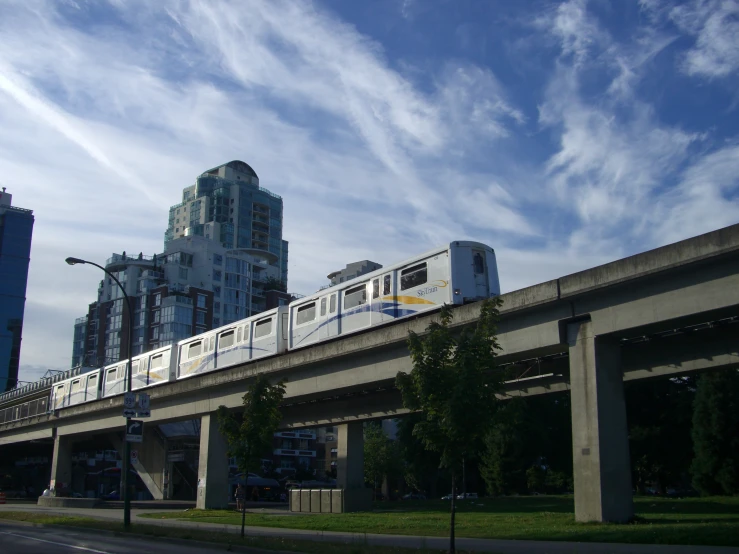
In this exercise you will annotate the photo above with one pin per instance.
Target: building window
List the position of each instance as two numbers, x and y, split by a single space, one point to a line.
183 273
216 291
216 307
216 275
217 259
200 317
201 300
158 299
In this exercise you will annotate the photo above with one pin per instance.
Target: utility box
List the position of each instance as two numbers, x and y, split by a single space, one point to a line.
330 501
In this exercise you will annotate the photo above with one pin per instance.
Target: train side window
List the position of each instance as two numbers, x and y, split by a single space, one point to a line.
76 386
323 306
156 361
111 375
246 332
60 391
120 372
413 276
332 304
212 343
194 349
135 367
355 296
386 284
238 334
226 339
375 288
92 384
263 328
306 313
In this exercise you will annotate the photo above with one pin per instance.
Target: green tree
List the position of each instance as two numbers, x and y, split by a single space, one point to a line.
376 455
250 435
421 466
505 461
272 283
453 385
715 467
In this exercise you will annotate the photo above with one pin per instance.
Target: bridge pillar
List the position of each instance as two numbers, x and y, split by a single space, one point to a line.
212 491
350 467
602 468
151 461
61 463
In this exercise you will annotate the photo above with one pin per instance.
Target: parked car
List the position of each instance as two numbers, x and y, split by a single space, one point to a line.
414 496
112 496
447 497
466 495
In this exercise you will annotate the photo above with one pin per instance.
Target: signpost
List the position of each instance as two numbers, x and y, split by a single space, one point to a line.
134 431
134 456
143 406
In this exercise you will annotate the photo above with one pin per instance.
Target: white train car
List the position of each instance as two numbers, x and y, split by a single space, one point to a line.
462 271
114 378
154 368
75 390
256 337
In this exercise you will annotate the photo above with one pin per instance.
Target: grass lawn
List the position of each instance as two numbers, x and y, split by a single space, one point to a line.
163 533
698 521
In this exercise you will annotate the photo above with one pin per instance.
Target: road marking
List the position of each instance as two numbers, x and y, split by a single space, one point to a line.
57 543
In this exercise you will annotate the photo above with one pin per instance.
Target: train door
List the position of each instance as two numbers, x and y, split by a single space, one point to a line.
480 273
324 318
388 298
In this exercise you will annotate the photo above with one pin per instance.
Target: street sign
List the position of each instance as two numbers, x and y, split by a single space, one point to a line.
135 431
143 413
143 401
129 400
134 456
129 413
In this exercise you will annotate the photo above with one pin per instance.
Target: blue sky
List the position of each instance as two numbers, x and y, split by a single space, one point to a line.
563 134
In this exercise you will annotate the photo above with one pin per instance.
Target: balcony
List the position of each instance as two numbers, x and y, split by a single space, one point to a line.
304 453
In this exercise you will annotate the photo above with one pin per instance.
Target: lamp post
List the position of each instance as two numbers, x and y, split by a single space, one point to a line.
127 445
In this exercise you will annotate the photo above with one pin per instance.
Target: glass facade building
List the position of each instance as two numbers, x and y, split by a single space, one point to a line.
227 205
16 228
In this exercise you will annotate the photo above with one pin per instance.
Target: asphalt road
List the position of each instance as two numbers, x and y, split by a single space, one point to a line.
17 539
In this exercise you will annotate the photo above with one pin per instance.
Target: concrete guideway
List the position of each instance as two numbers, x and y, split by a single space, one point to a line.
588 319
497 546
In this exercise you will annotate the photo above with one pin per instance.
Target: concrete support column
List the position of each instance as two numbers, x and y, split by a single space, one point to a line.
602 467
350 467
213 466
61 463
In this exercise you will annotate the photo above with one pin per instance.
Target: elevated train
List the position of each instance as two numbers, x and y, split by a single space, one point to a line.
456 273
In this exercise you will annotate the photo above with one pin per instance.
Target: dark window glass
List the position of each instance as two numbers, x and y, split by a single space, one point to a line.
355 296
386 284
413 276
323 307
332 304
376 288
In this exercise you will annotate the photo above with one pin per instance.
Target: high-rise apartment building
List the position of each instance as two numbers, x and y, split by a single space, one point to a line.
223 260
16 228
352 270
227 205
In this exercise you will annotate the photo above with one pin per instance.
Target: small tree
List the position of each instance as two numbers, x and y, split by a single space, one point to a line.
453 385
250 435
376 458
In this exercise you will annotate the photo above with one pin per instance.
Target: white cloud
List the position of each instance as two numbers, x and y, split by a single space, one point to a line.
715 26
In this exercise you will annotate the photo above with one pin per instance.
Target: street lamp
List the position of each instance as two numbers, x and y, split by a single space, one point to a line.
127 445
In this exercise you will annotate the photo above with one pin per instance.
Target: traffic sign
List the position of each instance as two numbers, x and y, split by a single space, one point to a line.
129 413
143 413
129 400
143 401
135 431
134 456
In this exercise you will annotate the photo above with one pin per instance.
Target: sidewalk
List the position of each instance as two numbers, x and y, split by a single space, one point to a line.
478 545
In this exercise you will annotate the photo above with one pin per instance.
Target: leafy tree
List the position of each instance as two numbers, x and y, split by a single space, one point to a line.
505 462
250 435
272 283
715 468
453 385
421 466
376 455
